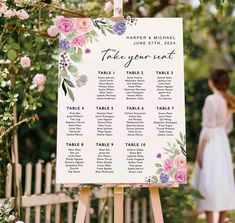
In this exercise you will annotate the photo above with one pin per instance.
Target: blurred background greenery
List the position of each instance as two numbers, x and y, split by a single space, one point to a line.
209 30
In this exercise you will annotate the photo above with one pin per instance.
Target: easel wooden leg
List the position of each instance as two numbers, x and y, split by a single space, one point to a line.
156 205
82 205
118 204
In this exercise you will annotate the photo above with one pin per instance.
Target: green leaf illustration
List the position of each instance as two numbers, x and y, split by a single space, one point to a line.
183 150
76 57
72 69
70 83
71 94
64 88
181 136
158 165
72 50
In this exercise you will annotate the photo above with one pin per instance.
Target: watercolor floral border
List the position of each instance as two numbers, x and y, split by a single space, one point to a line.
75 35
171 166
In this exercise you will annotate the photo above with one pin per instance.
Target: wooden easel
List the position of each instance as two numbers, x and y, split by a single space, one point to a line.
119 190
118 204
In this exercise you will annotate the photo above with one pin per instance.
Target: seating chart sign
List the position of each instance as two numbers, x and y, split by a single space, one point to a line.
121 109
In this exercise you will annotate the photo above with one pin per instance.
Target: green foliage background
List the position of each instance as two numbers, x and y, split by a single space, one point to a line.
208 41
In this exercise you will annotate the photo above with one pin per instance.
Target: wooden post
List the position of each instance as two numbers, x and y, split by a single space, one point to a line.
128 209
82 205
118 204
118 10
48 190
38 183
156 204
15 153
28 181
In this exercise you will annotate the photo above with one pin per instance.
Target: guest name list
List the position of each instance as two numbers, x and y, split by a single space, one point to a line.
130 107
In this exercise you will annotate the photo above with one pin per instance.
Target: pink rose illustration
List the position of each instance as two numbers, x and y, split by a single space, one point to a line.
180 176
168 165
83 25
65 25
25 62
79 41
57 19
180 162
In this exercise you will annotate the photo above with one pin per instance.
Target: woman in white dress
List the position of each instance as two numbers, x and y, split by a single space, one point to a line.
213 175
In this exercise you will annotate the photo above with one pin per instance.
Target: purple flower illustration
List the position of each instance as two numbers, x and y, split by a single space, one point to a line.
119 28
64 44
159 155
164 178
87 50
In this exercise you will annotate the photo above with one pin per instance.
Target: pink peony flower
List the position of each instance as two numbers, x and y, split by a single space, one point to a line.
22 14
180 176
79 41
83 25
108 6
25 62
168 165
180 162
9 13
52 31
65 25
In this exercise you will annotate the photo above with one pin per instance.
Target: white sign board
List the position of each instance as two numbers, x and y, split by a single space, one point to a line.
121 109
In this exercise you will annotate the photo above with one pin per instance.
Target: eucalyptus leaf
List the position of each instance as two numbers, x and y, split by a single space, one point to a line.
159 171
70 83
76 57
72 50
158 165
72 69
64 88
71 94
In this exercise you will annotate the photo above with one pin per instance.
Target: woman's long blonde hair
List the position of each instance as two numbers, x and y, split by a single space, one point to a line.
221 80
